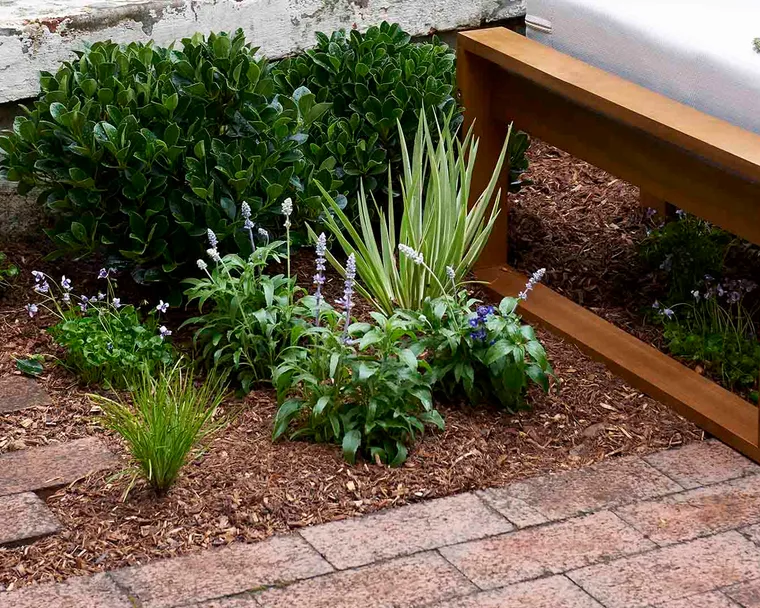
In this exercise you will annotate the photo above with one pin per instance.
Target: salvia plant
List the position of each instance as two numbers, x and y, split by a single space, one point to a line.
436 223
106 341
246 315
483 353
168 414
360 385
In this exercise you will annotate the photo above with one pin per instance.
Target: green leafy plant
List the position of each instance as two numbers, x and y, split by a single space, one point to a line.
7 271
250 314
363 387
436 223
373 80
483 353
686 250
138 149
168 414
105 342
716 330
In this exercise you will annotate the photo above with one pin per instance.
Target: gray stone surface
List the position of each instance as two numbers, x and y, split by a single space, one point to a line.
18 393
24 518
698 512
672 573
702 463
605 485
400 583
553 549
52 466
410 529
97 591
218 573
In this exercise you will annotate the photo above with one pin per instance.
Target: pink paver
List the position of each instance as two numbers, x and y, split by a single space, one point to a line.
672 573
702 463
552 592
605 485
552 549
753 533
52 466
18 393
697 512
97 591
515 510
218 573
410 529
25 518
404 582
713 599
746 594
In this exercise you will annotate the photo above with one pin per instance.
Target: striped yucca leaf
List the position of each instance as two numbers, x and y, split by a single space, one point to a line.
437 222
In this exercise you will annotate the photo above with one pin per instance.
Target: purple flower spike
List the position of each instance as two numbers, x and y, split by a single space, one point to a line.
348 292
319 278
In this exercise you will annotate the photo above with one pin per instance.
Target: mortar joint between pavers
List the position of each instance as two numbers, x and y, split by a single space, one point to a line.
132 598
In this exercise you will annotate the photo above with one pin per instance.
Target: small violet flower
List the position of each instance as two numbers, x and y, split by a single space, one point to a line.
38 276
43 287
66 283
66 297
668 313
116 303
162 306
696 295
31 309
103 274
163 332
101 296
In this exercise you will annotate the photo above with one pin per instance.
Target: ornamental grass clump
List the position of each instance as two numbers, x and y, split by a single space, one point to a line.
436 222
168 414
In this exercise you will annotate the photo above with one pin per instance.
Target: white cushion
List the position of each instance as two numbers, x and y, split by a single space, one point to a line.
698 52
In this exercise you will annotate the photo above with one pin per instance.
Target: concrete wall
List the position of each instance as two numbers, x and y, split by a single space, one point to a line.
39 34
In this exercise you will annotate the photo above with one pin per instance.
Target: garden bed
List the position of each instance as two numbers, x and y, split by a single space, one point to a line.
245 488
585 226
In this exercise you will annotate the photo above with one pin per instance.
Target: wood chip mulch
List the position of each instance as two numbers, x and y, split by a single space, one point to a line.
245 488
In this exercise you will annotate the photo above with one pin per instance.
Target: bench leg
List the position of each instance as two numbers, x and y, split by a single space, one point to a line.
475 78
663 208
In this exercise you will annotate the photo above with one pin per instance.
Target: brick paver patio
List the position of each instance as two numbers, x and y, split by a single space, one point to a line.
678 529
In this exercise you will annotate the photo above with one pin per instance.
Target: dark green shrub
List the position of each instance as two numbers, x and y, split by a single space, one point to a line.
139 149
686 251
372 79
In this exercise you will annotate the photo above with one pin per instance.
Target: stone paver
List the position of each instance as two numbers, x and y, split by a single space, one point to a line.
697 512
673 572
747 595
245 600
24 518
515 510
702 463
52 466
18 393
222 572
97 591
552 592
753 533
596 487
400 583
553 549
713 599
410 529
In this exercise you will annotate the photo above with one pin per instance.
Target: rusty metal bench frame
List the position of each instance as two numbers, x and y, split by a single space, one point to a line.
673 152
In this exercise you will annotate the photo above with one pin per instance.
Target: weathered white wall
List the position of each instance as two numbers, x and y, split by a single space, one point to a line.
38 34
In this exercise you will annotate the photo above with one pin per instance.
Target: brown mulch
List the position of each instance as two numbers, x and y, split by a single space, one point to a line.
245 488
582 225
